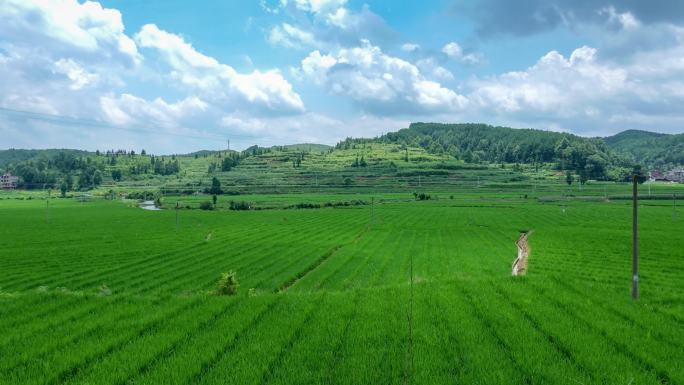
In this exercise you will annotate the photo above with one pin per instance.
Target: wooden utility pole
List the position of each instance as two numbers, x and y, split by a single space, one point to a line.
635 257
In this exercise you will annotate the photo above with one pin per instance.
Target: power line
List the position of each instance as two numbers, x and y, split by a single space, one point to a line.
73 121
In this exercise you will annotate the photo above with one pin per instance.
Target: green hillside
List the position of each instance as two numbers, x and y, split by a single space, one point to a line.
590 158
650 148
424 154
12 155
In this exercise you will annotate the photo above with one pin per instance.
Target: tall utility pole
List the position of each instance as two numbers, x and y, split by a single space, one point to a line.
635 258
228 143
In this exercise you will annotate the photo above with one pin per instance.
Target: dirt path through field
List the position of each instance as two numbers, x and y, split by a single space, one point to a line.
520 264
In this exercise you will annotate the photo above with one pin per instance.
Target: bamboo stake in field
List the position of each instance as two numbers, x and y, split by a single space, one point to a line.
674 206
47 207
635 257
372 211
176 215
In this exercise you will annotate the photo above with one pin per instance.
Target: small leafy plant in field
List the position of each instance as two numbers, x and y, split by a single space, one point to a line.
206 206
227 284
104 291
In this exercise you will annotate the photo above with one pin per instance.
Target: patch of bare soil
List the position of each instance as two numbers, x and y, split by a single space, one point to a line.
520 264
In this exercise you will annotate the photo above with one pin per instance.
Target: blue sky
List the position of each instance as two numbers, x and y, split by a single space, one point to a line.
178 76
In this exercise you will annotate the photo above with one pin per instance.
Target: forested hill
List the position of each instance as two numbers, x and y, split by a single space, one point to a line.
590 157
650 148
11 156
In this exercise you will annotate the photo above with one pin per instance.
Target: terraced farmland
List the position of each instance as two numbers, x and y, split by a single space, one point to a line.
103 293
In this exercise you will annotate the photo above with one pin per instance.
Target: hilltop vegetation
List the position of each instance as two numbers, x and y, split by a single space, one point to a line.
650 148
480 143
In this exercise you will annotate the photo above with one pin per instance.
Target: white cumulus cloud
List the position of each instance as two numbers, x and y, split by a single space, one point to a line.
290 36
455 51
379 82
68 25
218 81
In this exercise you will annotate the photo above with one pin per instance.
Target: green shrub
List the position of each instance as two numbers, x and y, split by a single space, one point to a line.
227 284
206 205
422 196
234 205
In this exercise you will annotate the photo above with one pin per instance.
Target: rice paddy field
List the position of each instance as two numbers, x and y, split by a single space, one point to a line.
400 292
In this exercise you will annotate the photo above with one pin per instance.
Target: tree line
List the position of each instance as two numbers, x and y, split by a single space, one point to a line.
70 170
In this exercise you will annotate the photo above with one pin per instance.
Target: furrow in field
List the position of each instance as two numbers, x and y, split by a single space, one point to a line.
667 333
58 367
483 313
117 368
318 262
245 252
285 349
180 365
61 336
66 375
208 368
607 331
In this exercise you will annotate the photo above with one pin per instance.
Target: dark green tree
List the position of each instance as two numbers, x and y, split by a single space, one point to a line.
638 170
215 186
583 176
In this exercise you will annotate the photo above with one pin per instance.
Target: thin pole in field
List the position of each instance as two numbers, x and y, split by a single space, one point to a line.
635 257
47 208
562 201
177 215
674 206
372 210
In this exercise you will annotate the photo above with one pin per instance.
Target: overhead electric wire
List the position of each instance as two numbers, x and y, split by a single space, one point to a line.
74 122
